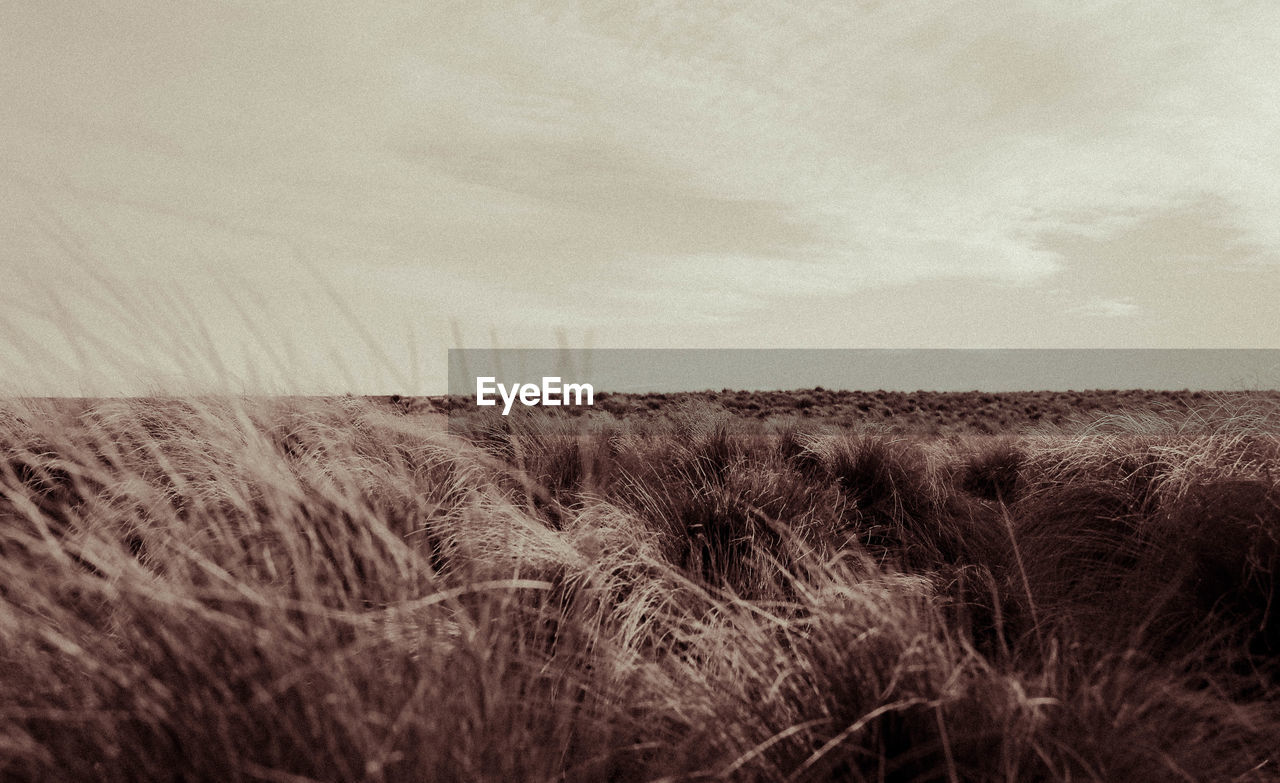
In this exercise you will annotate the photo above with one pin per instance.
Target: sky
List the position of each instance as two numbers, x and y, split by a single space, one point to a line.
265 196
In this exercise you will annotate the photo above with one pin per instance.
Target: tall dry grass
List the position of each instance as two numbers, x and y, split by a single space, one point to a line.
307 590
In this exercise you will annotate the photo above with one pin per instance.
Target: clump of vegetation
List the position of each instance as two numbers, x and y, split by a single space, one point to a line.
933 413
315 590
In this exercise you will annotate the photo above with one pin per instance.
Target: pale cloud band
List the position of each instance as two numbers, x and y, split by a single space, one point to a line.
661 174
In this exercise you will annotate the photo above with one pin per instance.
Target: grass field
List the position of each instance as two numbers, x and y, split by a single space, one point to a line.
912 413
966 588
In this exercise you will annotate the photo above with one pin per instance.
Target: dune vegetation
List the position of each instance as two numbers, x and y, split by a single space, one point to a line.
345 590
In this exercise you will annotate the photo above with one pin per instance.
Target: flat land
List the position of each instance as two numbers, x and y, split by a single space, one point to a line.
920 412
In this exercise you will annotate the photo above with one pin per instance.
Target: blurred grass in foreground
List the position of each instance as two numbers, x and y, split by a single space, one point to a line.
337 589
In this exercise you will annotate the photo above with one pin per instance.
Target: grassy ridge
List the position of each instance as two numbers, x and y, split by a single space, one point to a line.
913 413
292 590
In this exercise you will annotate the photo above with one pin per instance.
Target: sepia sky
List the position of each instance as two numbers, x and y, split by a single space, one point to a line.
325 197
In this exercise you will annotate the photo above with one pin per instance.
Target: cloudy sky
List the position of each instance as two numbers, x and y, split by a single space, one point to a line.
290 196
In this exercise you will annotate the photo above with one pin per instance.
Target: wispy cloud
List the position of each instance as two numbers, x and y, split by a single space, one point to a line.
1107 308
554 164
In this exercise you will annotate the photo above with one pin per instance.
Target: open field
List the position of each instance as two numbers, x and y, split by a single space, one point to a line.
976 588
913 413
